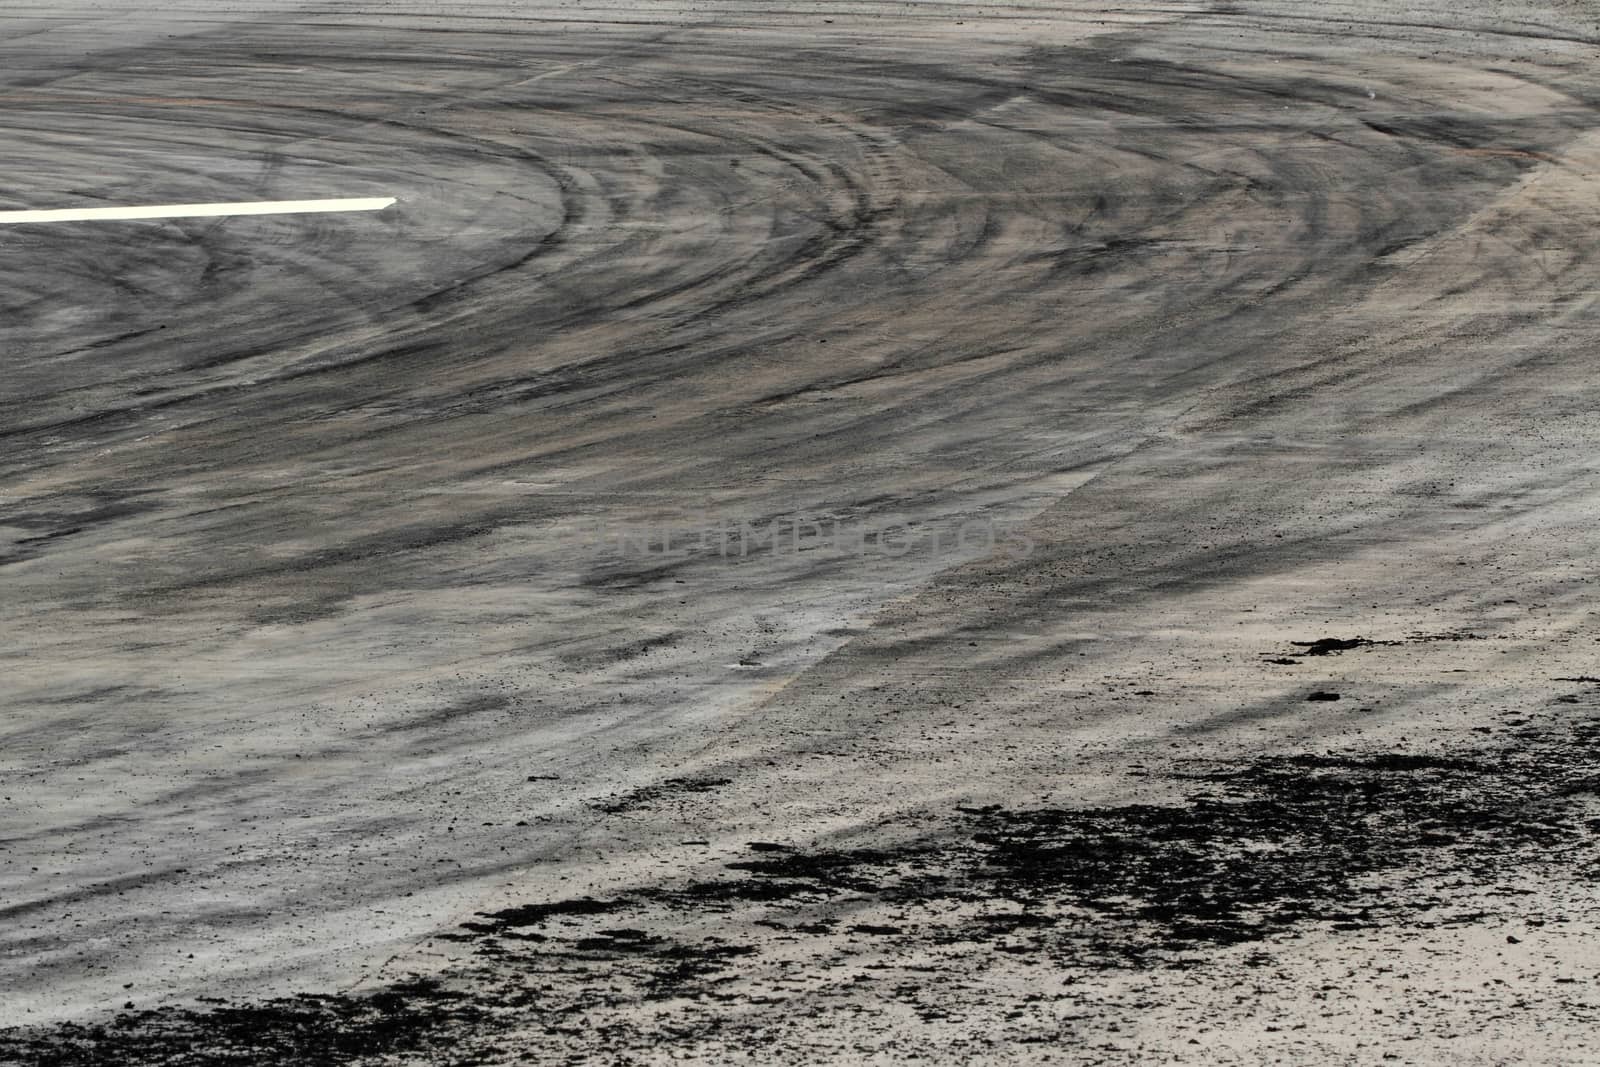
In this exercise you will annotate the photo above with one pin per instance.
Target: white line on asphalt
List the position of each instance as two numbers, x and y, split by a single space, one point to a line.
191 211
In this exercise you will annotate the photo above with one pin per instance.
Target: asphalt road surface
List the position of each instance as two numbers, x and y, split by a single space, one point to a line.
829 532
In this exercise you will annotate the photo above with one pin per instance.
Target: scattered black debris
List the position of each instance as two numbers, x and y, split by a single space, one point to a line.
645 796
415 1017
1333 646
537 914
1349 840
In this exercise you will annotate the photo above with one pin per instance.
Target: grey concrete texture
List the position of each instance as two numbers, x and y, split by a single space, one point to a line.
825 532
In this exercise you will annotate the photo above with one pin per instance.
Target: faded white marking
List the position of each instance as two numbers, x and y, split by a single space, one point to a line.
193 211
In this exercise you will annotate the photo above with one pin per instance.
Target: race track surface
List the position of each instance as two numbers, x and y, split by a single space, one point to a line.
829 532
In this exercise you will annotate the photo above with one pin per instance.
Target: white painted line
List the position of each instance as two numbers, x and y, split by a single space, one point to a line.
194 211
